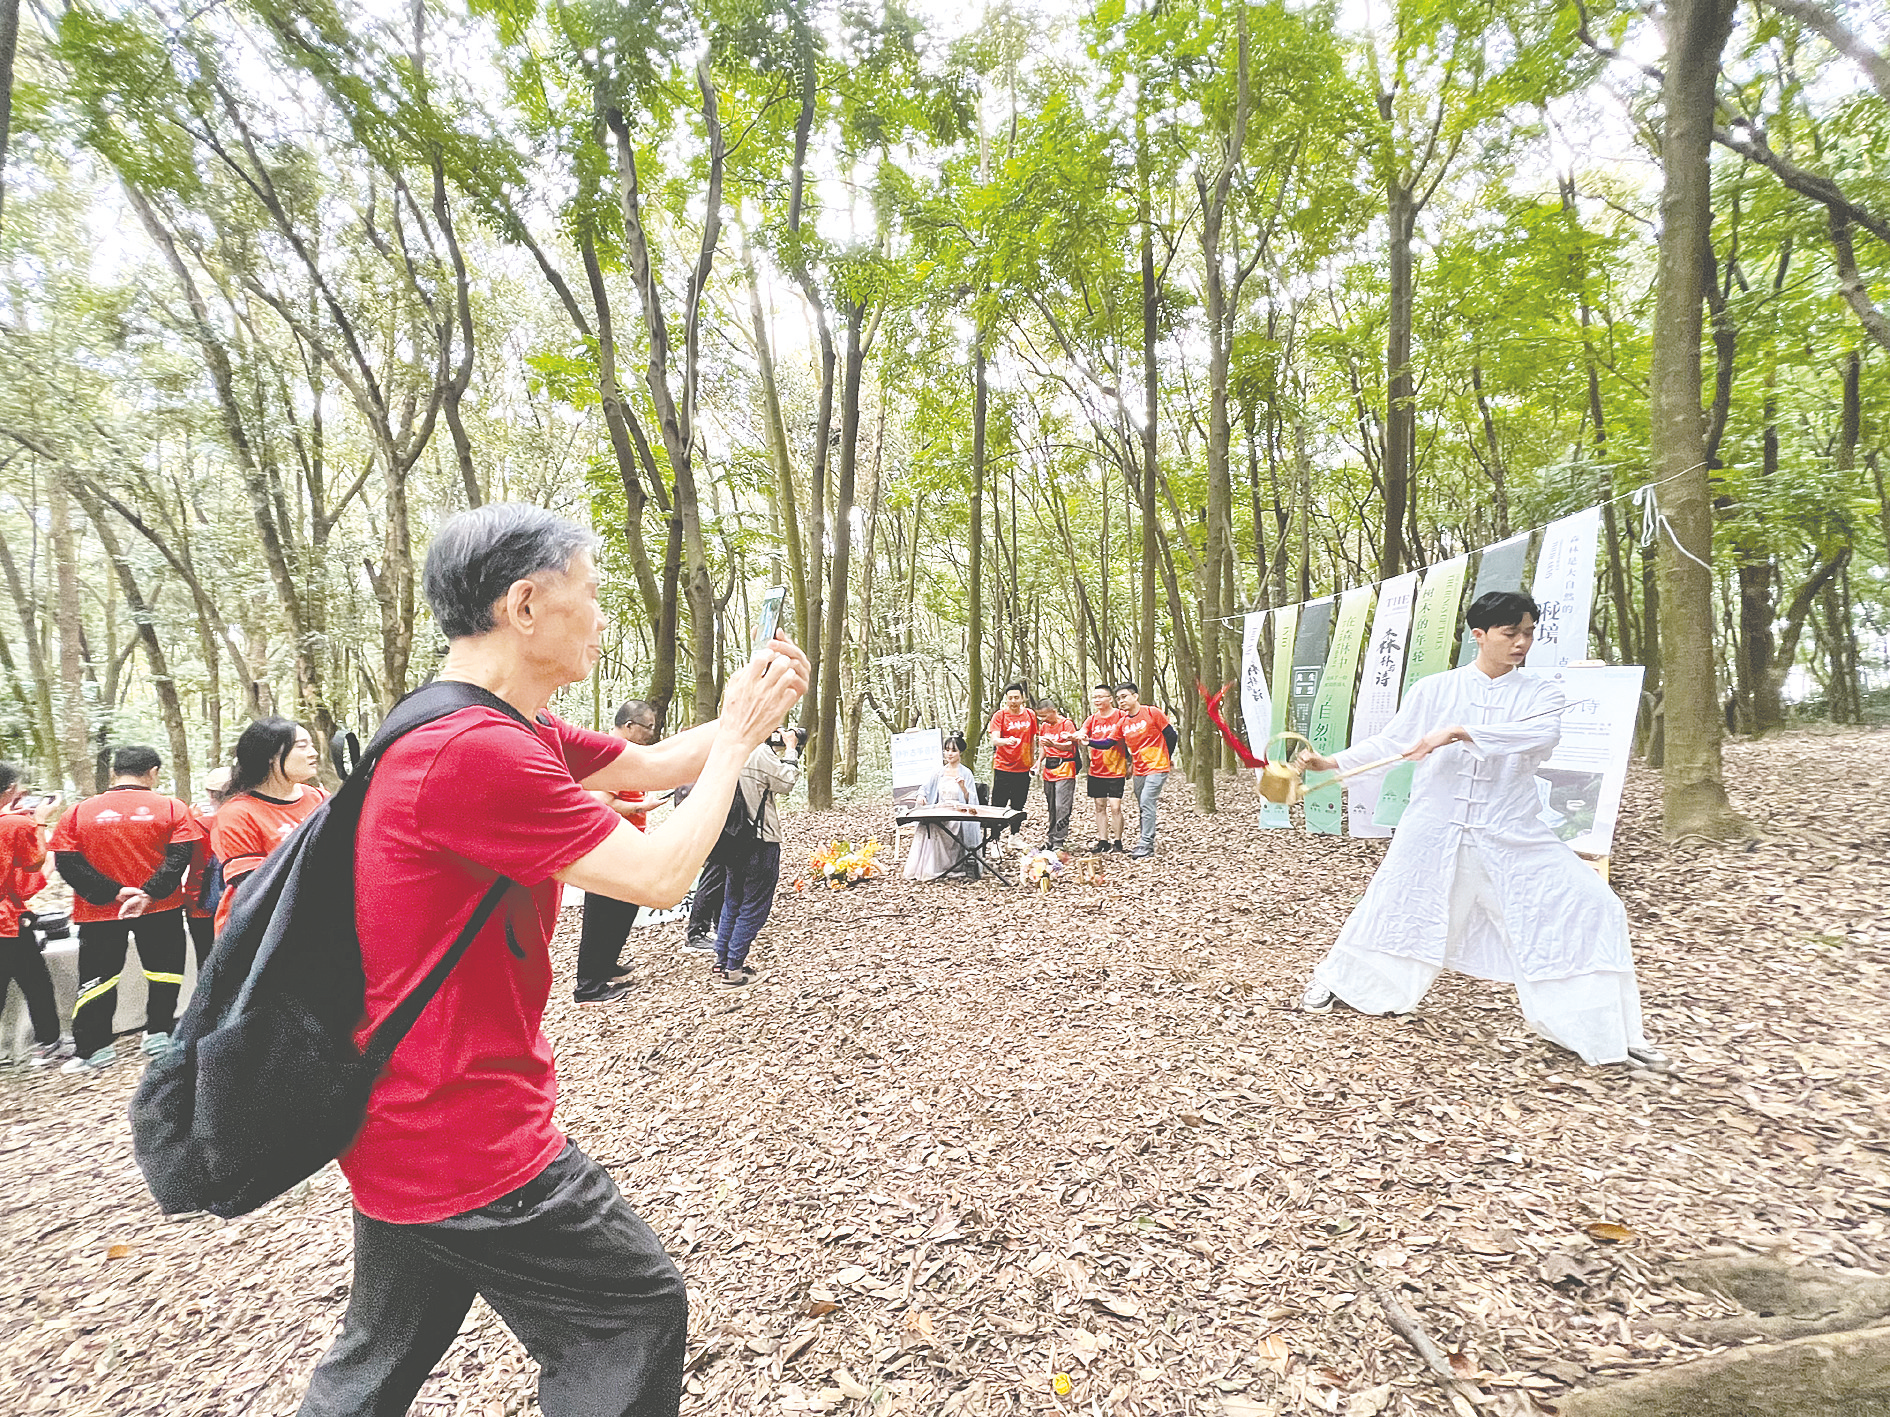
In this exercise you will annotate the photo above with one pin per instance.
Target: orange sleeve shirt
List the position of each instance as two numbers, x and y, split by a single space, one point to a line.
21 856
1142 731
1018 756
248 828
1114 760
124 833
1059 749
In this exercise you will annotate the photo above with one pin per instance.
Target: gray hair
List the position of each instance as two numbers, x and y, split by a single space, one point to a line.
478 554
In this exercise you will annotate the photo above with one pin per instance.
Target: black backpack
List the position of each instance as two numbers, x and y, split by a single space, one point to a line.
739 829
262 1085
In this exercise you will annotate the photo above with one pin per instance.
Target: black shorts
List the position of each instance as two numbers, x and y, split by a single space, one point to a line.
1101 787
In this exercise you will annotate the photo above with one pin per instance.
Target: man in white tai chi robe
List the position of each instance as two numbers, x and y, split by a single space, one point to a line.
1475 880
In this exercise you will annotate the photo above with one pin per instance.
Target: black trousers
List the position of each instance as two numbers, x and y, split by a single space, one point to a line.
203 934
21 963
1011 789
605 932
102 946
564 1260
705 910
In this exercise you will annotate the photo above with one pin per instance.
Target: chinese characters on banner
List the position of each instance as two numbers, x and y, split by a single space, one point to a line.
1256 703
1565 589
1332 708
1274 815
1378 694
1433 632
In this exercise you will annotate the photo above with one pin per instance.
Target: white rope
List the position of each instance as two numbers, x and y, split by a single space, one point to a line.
1642 496
1654 521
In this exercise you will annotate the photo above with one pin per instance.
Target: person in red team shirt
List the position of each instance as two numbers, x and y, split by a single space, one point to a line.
1013 731
463 1183
22 854
1058 737
1108 766
272 792
1150 737
124 853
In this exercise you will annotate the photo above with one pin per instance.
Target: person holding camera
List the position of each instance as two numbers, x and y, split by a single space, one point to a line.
752 862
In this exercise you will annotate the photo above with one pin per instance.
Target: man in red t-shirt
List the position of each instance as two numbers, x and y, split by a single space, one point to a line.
1013 731
22 854
463 1183
602 977
124 853
1108 765
1149 736
1058 737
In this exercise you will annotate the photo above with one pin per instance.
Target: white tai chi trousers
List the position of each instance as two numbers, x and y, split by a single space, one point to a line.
1597 1014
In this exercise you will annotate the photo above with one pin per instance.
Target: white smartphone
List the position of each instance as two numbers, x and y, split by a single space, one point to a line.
770 614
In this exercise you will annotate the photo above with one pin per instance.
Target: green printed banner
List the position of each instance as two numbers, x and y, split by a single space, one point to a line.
1285 625
1332 708
1433 632
1499 567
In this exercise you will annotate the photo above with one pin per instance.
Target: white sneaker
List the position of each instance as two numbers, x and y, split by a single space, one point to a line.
46 1054
97 1063
1650 1057
1317 999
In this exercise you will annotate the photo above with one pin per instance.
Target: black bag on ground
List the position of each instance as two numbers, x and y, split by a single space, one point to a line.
262 1085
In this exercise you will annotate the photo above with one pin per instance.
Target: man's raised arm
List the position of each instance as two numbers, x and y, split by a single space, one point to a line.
655 868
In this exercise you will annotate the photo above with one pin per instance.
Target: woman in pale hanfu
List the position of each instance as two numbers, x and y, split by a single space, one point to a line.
933 851
1474 879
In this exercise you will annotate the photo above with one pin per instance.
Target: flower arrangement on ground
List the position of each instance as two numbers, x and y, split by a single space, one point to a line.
840 864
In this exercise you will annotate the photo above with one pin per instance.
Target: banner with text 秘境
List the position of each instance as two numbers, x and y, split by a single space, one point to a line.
1332 708
1433 633
1564 589
1378 693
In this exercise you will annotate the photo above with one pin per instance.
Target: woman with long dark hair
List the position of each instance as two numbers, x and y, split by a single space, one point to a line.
271 791
932 852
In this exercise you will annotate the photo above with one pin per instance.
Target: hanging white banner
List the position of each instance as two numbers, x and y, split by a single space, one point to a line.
1378 693
1256 702
1565 589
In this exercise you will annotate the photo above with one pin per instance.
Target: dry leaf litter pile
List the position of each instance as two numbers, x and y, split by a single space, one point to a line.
966 1149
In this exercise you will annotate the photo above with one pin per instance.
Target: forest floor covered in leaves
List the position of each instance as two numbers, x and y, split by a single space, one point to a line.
966 1149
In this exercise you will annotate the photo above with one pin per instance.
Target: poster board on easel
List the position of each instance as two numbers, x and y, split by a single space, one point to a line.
917 756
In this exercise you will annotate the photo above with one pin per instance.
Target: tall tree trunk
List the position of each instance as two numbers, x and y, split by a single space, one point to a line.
1151 406
974 715
49 740
1400 397
1695 801
786 497
75 728
826 738
9 40
169 704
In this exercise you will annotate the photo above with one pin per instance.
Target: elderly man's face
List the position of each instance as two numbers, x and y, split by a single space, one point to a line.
568 625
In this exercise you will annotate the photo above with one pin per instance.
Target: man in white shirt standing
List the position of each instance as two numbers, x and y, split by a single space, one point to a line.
1474 879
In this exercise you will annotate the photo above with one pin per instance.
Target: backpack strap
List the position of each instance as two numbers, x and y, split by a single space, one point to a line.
428 704
390 1030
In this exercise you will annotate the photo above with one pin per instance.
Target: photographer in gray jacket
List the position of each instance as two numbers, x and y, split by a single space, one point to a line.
753 869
